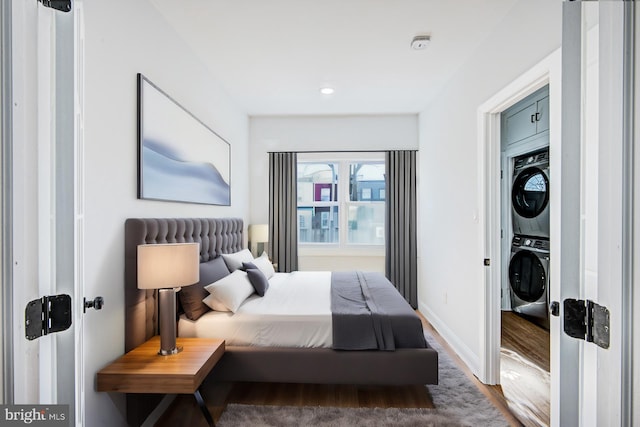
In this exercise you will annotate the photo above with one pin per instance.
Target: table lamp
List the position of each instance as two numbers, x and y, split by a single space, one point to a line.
167 267
258 237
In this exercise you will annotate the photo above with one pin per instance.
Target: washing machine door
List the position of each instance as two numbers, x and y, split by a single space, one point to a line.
527 276
530 193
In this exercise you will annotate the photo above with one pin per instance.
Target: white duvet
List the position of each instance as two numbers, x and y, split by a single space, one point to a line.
295 312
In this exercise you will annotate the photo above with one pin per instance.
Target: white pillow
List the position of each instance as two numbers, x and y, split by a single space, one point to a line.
229 292
264 264
214 304
234 261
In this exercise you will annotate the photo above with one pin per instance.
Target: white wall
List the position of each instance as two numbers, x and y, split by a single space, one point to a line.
123 38
451 271
324 133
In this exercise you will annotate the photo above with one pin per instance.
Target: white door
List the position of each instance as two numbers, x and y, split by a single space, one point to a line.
591 241
595 97
43 222
5 107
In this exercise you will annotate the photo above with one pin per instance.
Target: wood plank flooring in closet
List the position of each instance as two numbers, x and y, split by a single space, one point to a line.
524 369
526 338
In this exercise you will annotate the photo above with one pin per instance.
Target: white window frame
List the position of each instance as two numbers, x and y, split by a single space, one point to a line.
342 160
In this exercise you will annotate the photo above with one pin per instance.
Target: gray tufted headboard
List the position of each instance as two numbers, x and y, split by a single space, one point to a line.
215 235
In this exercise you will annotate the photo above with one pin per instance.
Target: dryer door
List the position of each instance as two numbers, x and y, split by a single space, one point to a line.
527 276
530 193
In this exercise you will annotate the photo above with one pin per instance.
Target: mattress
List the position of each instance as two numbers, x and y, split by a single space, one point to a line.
294 312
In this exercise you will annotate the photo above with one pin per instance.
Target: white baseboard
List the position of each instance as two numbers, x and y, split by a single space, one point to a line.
468 357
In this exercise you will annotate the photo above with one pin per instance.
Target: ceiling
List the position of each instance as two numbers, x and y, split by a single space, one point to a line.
272 57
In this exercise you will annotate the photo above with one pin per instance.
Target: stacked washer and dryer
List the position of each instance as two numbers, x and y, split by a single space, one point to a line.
529 262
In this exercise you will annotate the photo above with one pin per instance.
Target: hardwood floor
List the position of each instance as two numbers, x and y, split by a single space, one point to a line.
524 369
184 411
219 395
492 392
526 338
346 396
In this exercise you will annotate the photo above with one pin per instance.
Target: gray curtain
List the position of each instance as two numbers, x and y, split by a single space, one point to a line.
401 228
283 208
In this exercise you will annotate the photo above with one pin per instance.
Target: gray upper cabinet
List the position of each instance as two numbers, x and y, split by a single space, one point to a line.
542 122
527 118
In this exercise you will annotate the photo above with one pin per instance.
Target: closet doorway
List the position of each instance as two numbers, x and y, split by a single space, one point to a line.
526 183
497 238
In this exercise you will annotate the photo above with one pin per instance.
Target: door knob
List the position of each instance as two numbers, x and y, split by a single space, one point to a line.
554 308
96 304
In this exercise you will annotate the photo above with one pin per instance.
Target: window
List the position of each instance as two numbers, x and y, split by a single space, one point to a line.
366 213
341 202
317 203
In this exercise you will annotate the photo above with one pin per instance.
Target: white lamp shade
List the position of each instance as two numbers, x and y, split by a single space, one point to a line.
168 265
259 233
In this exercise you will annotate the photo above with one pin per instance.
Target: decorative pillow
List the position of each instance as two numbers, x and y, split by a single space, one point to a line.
264 264
191 296
258 281
234 261
247 265
230 291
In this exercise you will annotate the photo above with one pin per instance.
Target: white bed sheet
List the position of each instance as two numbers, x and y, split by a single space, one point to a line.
294 312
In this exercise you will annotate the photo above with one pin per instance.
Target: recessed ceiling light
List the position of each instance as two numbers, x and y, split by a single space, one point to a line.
326 90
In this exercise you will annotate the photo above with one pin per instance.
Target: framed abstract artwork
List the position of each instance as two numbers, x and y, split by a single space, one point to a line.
179 158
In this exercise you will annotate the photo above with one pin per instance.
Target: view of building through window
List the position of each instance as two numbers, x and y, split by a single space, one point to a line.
341 202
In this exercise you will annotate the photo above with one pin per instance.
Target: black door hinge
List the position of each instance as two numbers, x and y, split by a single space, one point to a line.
46 315
587 320
61 5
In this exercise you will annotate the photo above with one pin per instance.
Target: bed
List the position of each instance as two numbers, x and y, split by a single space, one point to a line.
315 364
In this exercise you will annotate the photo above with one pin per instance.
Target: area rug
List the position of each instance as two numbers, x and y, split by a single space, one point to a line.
457 401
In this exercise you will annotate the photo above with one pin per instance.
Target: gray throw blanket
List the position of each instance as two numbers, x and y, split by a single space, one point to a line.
368 313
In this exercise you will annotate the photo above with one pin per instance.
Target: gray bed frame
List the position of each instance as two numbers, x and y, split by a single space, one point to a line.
259 364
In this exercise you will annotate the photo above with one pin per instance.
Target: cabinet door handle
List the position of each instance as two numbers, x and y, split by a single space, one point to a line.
537 117
533 120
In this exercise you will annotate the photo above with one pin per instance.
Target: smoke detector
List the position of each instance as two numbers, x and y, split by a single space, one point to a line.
420 42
